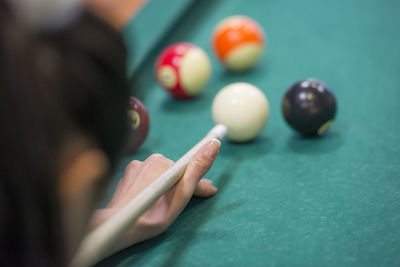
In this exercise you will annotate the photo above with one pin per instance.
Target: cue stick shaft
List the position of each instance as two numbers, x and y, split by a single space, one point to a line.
98 241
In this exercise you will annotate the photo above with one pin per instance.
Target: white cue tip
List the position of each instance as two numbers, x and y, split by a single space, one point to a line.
219 131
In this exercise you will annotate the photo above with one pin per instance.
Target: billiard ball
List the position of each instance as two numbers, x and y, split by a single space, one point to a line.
183 69
139 124
309 107
243 109
238 42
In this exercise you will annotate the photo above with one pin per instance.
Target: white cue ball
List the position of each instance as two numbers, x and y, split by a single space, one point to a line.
243 109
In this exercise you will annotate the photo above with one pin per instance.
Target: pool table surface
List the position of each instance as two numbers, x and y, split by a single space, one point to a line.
285 200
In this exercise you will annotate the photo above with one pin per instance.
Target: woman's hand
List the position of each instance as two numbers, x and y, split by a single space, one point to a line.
165 210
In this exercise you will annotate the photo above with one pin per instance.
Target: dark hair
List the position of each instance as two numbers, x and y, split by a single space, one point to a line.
52 84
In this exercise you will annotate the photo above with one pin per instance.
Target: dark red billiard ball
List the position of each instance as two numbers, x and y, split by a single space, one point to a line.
139 124
309 107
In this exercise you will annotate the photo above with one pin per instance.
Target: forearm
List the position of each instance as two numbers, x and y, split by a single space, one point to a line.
116 12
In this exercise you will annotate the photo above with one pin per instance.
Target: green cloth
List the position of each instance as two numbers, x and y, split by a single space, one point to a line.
284 200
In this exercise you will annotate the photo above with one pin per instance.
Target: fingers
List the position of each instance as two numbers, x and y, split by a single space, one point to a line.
138 175
205 188
165 210
152 168
201 162
198 166
157 164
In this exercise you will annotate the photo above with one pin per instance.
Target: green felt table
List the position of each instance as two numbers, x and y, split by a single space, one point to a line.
284 200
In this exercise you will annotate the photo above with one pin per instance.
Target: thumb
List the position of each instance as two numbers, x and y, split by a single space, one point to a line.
202 161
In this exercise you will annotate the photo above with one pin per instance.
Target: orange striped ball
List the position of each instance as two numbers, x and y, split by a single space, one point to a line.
238 42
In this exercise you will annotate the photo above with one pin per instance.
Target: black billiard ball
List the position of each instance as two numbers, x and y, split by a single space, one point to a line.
139 124
309 107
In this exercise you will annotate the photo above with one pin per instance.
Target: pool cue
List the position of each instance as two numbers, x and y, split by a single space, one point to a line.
98 241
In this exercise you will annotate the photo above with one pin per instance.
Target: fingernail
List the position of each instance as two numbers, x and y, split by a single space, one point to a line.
212 148
214 188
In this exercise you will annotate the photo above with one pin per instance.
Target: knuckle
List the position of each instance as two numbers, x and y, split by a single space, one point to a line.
156 156
160 159
156 225
133 165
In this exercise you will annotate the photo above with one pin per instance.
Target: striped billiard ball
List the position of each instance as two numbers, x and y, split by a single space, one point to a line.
238 42
183 69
